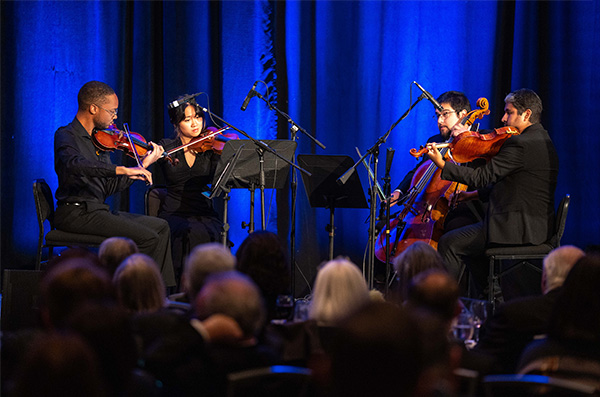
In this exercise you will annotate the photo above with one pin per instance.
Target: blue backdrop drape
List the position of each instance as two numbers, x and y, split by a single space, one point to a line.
341 69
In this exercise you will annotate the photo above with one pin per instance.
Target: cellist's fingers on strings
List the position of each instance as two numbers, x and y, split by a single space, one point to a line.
394 198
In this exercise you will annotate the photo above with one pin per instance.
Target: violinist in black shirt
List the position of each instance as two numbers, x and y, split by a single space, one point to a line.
86 178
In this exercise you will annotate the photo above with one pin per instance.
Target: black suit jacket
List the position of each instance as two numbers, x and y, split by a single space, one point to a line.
521 201
513 326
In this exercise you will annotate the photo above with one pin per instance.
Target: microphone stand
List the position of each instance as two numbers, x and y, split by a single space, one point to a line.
387 188
374 150
261 148
294 186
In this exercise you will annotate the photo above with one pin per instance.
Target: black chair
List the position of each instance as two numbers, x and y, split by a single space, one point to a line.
277 380
44 205
153 199
524 254
535 385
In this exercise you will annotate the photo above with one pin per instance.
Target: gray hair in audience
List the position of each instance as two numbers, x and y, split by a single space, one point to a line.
204 260
557 265
114 250
139 285
235 295
340 289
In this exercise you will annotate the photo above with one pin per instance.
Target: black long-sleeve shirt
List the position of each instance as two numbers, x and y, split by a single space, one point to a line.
85 174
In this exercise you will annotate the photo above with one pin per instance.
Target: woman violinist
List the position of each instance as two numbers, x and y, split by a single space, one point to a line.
190 214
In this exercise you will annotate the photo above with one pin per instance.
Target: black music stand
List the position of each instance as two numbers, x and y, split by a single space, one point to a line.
257 168
323 190
220 184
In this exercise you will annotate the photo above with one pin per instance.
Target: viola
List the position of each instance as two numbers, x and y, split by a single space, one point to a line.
471 145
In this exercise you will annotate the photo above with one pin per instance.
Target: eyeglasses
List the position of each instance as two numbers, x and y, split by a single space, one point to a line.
111 112
444 115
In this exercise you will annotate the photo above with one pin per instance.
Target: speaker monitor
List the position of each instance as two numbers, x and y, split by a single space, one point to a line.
20 299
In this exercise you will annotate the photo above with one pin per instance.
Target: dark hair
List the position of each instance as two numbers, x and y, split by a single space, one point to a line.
177 113
524 99
457 100
377 351
72 283
571 321
59 364
93 92
435 291
262 257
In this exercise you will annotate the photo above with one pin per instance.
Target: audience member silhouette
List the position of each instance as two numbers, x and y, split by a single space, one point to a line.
339 290
70 281
59 365
377 352
417 258
516 322
139 285
572 348
115 250
107 330
203 260
433 299
69 284
195 357
262 257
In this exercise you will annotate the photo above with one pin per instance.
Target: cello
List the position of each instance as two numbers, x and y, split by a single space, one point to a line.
427 202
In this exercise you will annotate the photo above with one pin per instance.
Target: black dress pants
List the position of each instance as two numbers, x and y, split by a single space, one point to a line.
151 234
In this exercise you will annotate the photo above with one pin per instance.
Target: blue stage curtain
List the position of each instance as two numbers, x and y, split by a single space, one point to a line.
341 69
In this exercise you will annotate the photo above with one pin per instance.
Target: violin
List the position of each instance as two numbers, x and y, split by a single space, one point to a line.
211 139
112 139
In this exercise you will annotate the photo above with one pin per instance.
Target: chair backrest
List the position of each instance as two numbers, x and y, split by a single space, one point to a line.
44 203
277 380
153 199
561 218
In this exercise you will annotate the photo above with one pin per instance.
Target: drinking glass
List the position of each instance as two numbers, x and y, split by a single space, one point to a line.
463 327
480 310
301 309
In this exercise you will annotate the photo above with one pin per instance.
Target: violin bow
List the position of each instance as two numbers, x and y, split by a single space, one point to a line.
133 149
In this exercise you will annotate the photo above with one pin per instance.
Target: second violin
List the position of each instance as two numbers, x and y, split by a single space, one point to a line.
211 139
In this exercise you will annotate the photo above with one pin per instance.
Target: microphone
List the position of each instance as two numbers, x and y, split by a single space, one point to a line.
430 97
250 95
186 98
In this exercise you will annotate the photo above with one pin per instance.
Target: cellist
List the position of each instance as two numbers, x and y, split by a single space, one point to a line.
456 106
522 178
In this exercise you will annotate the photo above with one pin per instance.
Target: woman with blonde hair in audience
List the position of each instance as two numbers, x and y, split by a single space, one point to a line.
139 285
340 289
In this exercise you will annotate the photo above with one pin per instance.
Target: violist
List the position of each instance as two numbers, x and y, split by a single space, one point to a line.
518 184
